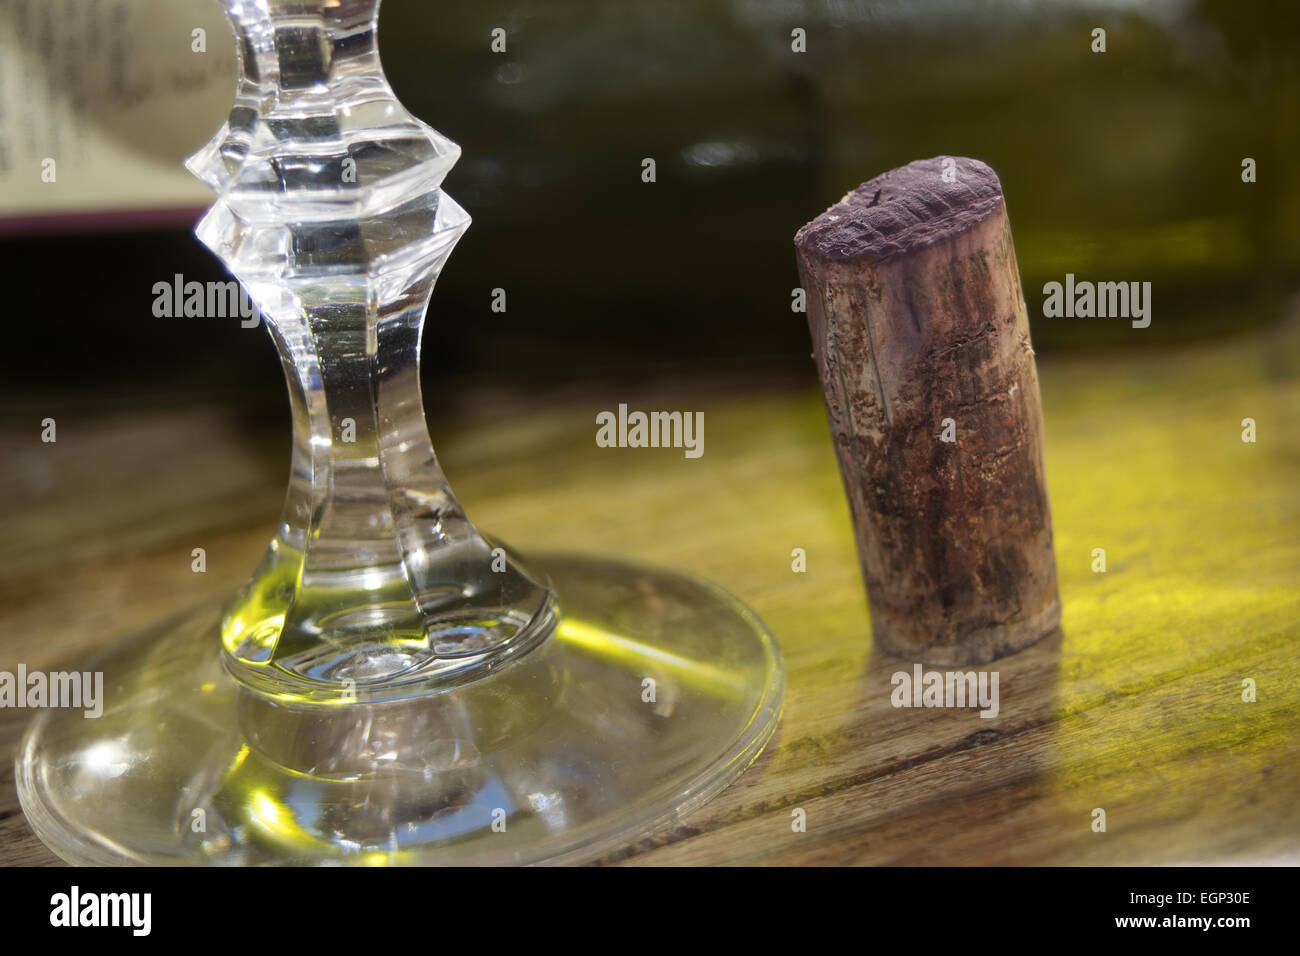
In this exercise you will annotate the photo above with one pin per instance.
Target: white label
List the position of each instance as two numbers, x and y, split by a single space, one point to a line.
115 93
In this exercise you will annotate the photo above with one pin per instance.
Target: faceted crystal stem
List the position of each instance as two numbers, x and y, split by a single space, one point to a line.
329 211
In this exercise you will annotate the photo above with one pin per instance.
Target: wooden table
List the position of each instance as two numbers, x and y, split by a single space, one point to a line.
1134 707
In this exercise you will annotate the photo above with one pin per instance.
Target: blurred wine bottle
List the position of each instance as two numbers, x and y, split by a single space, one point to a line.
1122 166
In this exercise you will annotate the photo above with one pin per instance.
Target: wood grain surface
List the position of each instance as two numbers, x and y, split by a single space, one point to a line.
1134 705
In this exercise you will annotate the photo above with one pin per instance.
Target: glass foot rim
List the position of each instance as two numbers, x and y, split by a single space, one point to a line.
680 796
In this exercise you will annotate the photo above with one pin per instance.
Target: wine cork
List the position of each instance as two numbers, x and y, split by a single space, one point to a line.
921 339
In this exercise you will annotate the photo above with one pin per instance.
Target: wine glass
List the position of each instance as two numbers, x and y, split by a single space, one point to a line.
390 685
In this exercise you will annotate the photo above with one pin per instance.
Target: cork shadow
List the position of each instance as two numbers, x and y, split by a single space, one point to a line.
950 786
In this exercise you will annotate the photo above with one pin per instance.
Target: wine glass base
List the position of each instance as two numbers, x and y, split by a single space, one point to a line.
653 693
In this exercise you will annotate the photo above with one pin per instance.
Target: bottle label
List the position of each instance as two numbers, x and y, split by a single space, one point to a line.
100 104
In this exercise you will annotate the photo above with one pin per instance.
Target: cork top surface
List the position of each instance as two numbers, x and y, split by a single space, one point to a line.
905 209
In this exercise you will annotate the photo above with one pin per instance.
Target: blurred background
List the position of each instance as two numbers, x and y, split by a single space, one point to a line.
1117 166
